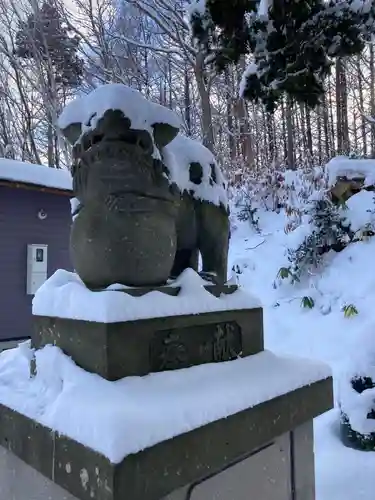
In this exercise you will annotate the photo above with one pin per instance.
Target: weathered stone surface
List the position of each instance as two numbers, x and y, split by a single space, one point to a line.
19 481
303 465
185 460
281 470
117 350
265 473
27 439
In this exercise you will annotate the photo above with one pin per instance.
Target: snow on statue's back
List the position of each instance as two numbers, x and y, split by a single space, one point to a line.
209 185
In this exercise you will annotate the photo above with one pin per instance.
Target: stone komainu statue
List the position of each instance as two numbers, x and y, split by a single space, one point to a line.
149 199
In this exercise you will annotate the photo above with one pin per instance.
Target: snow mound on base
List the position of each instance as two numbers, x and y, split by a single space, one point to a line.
138 412
64 295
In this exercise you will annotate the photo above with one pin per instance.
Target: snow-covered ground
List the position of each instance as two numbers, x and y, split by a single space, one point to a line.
321 333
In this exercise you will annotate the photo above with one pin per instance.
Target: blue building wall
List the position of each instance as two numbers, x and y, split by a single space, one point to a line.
20 226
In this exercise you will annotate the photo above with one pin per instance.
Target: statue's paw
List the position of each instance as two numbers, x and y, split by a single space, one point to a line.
209 276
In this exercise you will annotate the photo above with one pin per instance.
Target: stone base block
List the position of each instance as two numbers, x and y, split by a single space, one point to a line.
117 350
274 436
265 470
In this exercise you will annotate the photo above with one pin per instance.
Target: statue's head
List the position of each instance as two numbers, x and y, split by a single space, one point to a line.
116 143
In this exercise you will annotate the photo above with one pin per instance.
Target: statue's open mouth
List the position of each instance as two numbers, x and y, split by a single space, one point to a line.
139 140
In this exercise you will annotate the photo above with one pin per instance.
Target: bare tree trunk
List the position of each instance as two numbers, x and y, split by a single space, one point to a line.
339 120
328 141
319 127
50 144
187 101
258 142
303 129
289 131
331 120
284 138
28 117
298 138
146 75
204 94
170 83
229 106
56 150
308 131
264 158
355 131
341 109
361 105
372 97
245 133
271 139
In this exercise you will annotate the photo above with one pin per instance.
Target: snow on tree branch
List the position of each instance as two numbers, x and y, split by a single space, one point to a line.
291 43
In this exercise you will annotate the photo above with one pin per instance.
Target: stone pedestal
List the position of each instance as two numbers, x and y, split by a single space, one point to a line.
117 350
19 481
281 470
265 452
262 450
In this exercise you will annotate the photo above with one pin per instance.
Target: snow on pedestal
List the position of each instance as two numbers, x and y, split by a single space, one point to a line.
127 416
64 295
124 331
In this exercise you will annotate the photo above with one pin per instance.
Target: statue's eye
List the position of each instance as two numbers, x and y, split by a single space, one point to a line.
76 169
213 173
97 138
195 172
144 141
89 121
